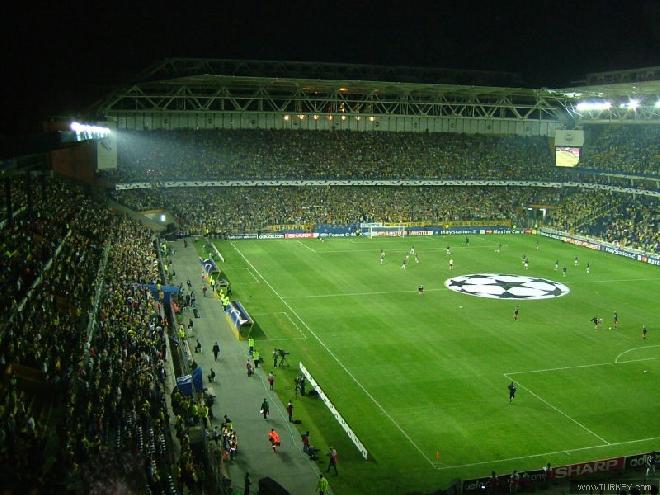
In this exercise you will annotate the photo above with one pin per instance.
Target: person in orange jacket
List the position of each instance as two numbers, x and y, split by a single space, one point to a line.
274 439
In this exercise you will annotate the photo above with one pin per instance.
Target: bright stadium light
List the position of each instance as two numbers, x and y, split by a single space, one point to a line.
162 218
657 104
591 106
286 117
86 131
372 118
632 104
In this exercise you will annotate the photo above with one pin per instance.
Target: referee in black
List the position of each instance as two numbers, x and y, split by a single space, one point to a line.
512 391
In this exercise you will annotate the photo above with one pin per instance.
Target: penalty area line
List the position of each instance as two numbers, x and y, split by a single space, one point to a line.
306 246
337 360
635 349
555 408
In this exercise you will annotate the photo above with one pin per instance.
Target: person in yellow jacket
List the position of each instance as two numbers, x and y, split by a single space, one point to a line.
323 485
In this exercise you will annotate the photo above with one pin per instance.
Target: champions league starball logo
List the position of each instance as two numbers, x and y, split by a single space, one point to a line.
505 286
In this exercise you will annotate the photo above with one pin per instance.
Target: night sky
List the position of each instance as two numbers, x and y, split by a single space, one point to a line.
61 57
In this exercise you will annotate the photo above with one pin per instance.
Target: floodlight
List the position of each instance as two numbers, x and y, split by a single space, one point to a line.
657 104
589 106
286 117
632 104
93 130
162 218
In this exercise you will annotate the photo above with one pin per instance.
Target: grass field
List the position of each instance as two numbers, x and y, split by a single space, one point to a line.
422 380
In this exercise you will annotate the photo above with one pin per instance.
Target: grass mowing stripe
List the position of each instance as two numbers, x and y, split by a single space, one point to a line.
332 354
561 412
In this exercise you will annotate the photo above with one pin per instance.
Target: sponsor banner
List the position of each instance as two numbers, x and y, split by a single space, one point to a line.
636 462
361 448
590 468
485 230
385 233
337 234
420 232
300 235
271 236
501 483
242 236
651 259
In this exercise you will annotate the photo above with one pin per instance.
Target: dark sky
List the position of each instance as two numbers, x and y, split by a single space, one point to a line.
62 56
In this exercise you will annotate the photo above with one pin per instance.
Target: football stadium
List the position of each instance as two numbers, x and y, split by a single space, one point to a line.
296 277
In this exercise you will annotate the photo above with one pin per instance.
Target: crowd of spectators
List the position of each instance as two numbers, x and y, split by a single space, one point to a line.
42 338
630 149
622 219
618 217
250 209
17 193
156 156
278 154
118 397
76 411
32 238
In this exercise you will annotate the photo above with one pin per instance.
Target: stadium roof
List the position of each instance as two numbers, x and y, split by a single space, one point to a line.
184 84
173 68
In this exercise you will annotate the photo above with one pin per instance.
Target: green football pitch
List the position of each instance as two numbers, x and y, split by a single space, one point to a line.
422 379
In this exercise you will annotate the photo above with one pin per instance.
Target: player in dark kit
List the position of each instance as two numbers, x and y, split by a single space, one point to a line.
596 321
512 391
616 320
516 312
644 332
420 289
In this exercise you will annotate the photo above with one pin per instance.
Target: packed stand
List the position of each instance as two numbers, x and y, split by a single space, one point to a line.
244 209
156 156
622 219
17 194
118 399
41 343
31 240
629 149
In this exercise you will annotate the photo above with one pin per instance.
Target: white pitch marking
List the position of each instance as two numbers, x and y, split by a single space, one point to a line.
561 412
295 325
634 349
306 246
557 369
252 275
338 361
545 454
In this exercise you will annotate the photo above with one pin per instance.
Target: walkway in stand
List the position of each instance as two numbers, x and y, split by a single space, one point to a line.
240 397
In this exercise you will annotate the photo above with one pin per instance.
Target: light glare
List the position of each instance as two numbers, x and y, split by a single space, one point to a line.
589 106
